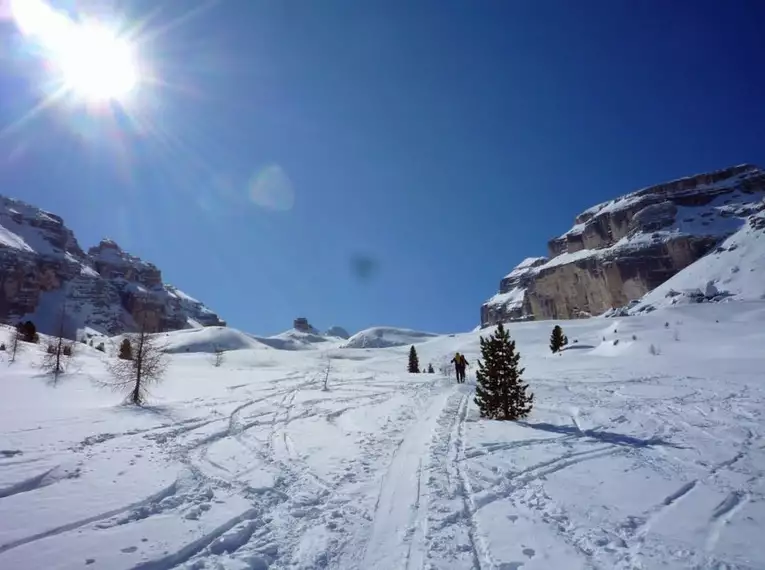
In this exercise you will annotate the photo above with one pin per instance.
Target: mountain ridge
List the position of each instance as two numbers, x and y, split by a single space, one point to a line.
620 250
47 277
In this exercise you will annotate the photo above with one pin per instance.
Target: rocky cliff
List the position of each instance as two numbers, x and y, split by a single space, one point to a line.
44 274
620 250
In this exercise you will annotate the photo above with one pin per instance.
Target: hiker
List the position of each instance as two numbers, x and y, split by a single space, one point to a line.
459 367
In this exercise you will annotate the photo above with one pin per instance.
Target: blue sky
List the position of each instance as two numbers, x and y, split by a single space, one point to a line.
440 142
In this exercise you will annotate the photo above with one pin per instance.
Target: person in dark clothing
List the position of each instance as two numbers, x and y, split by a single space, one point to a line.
459 367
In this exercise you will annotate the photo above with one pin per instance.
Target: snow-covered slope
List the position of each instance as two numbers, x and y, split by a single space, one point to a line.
294 339
208 340
43 270
383 337
733 271
633 457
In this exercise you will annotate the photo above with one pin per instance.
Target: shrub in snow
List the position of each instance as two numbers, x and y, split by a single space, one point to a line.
218 357
654 350
634 337
500 393
445 367
126 351
327 370
557 339
414 361
2 346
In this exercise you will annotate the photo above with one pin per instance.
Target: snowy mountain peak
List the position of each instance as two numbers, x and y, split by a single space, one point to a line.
620 250
43 268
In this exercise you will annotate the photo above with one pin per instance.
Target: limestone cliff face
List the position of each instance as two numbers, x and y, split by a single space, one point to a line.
43 269
620 250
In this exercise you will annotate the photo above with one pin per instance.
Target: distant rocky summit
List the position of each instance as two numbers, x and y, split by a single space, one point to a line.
620 250
44 273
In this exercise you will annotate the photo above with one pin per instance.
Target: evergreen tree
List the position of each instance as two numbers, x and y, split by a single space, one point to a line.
430 369
414 362
28 331
557 339
126 351
500 394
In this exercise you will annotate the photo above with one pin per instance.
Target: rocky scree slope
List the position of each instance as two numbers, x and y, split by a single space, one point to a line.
43 268
620 250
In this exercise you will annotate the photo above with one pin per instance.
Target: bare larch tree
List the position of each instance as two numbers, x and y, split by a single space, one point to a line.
218 356
147 367
59 350
14 344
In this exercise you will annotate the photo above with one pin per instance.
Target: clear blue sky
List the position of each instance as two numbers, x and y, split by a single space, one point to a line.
444 140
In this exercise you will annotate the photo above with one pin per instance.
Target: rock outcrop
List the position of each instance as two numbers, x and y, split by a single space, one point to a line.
43 269
620 250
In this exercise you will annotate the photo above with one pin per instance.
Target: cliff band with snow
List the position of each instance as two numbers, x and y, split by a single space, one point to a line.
42 269
620 250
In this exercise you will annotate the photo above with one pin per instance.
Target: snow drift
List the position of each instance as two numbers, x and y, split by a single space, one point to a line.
384 337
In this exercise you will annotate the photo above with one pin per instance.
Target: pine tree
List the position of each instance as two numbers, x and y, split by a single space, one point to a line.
28 331
126 351
430 369
500 394
414 362
557 339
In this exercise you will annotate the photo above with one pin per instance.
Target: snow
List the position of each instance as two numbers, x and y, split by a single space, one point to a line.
734 270
383 337
208 340
512 299
337 331
294 339
628 460
525 265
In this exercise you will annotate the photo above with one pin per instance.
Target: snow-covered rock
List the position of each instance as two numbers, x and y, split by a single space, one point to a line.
338 332
384 337
43 268
620 250
733 271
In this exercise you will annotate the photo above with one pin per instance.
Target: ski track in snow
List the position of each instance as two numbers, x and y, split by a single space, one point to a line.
387 471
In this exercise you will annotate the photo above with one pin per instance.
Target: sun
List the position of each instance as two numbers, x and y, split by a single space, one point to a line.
96 64
90 60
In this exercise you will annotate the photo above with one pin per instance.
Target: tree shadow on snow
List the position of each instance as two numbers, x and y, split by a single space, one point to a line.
604 436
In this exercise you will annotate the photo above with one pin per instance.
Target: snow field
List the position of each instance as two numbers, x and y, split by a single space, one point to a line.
629 459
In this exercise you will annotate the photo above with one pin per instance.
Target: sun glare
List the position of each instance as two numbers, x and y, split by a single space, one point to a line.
97 65
92 62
